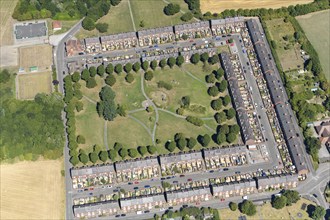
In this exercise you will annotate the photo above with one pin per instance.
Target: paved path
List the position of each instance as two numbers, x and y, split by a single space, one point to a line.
130 11
136 110
90 100
172 113
209 128
105 135
153 105
190 74
141 123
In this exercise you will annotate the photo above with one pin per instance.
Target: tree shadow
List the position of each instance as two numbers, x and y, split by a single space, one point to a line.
310 210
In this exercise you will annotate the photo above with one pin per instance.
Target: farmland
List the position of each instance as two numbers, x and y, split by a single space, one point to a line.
30 84
318 35
6 9
216 6
32 189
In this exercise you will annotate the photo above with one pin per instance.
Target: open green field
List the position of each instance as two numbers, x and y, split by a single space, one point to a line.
183 85
92 93
316 27
266 211
288 51
90 125
148 119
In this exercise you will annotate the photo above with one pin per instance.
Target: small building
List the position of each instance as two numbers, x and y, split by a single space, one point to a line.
57 25
74 47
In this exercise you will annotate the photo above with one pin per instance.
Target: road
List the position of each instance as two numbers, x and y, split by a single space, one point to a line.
60 68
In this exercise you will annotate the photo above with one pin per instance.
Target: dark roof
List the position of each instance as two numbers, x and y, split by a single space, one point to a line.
120 36
156 31
30 30
278 179
192 26
246 128
137 164
93 170
141 200
95 207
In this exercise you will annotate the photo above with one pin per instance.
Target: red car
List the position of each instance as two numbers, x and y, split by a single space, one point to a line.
189 179
222 199
136 182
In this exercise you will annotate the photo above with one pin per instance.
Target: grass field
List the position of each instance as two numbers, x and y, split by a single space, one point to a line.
221 5
90 125
290 58
40 56
92 93
318 35
30 84
32 190
6 21
183 85
267 212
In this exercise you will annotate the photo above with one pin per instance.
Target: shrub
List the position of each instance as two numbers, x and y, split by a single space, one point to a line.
129 78
171 9
88 24
110 80
187 16
128 67
102 27
195 121
148 75
233 206
165 85
213 91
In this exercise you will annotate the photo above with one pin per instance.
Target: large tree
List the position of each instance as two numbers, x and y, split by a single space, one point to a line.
107 107
88 24
102 27
279 202
179 60
291 195
318 213
110 80
195 58
171 9
247 207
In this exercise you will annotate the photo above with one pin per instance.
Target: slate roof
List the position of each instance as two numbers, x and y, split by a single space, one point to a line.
186 193
92 40
95 207
223 187
192 26
120 36
94 170
273 180
136 164
141 200
156 31
180 157
213 152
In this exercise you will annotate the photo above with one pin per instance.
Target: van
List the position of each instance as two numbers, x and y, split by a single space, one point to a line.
139 212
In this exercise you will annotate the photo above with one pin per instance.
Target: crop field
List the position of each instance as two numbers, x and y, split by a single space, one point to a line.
6 21
33 190
216 6
287 50
266 211
30 84
318 35
39 56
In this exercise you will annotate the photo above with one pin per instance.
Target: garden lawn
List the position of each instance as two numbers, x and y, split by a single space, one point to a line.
183 85
198 70
90 125
290 59
318 35
127 132
151 13
92 93
146 118
128 94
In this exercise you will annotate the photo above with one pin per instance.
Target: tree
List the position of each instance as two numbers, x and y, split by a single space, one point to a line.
214 59
171 9
191 143
204 57
91 83
128 67
233 206
93 157
102 27
103 155
213 91
118 68
100 70
129 78
117 146
195 58
224 129
195 121
136 67
112 154
121 110
145 65
4 76
110 80
292 196
109 68
220 138
115 2
107 107
88 24
74 160
216 104
231 137
142 24
162 63
234 129
132 152
219 73
279 202
123 152
220 117
170 146
210 78
181 143
318 213
230 113
171 62
179 60
226 100
142 150
185 101
148 75
205 140
83 158
75 76
187 16
85 74
222 86
81 139
92 71
153 64
151 149
247 207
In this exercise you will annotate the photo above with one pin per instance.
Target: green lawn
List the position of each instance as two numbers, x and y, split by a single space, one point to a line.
129 95
290 58
146 118
90 125
128 132
318 35
92 93
198 70
183 85
151 13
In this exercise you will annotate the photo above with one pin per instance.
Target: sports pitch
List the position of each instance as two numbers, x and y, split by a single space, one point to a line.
39 56
30 84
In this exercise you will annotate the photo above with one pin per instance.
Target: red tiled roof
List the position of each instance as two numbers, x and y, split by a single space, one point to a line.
57 24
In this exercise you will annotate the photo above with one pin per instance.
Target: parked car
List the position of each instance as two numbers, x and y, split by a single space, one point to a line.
136 188
189 179
211 171
181 175
185 206
123 215
130 183
170 207
225 169
117 216
147 186
238 172
136 182
162 178
146 211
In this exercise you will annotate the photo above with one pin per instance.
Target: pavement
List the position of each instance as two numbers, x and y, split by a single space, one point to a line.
313 184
